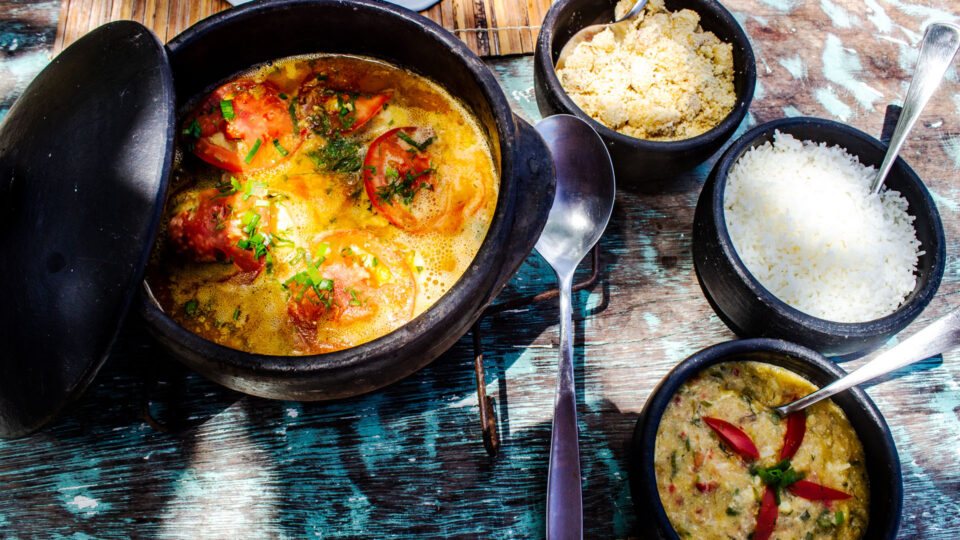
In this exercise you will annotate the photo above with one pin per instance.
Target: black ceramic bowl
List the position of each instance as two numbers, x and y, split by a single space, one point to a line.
883 463
235 40
751 310
637 161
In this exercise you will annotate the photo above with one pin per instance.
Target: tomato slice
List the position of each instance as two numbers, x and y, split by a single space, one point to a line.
214 225
796 428
734 437
243 125
396 173
329 111
815 492
348 277
767 515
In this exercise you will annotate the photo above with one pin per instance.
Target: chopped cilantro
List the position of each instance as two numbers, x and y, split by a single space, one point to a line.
292 109
253 151
193 129
228 188
354 301
826 520
338 155
409 140
347 111
191 308
226 108
311 279
404 188
280 149
780 476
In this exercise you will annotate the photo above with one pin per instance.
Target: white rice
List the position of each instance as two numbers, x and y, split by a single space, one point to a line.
803 221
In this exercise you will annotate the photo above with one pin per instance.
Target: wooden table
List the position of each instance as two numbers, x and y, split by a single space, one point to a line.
408 461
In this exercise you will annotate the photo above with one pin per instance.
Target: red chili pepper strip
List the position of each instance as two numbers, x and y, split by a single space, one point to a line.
815 492
767 516
733 437
796 427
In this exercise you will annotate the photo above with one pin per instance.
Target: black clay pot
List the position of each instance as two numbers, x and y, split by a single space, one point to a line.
751 310
636 161
883 463
233 41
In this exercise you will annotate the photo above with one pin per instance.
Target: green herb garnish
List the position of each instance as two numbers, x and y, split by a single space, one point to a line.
338 155
780 476
311 279
280 149
409 140
826 520
347 111
292 109
253 151
354 301
404 188
191 307
228 188
226 108
193 129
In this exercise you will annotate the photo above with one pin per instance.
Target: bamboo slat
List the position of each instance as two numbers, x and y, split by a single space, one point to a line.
488 27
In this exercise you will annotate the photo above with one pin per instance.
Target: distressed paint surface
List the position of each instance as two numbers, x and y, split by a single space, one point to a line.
407 461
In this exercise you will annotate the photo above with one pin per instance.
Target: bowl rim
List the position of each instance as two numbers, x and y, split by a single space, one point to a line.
544 57
892 322
476 275
643 441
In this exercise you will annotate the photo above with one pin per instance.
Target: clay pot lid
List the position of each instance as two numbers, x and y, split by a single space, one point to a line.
85 154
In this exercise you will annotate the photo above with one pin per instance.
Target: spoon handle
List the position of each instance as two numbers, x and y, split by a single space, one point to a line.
940 336
564 497
940 43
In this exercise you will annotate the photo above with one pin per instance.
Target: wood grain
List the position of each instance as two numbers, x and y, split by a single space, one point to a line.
488 27
408 461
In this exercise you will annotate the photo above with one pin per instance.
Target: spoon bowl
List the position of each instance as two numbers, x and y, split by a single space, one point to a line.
587 33
582 205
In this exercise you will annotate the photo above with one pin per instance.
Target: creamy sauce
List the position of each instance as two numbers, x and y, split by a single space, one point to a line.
311 209
708 491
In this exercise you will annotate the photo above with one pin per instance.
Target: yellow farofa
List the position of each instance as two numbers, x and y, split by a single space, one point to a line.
688 452
665 79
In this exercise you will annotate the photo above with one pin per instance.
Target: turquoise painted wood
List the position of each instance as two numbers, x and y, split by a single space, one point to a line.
408 461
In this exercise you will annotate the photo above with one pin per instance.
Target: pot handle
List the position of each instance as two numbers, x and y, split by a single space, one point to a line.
534 197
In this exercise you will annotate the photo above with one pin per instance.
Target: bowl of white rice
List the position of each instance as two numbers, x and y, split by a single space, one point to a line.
788 241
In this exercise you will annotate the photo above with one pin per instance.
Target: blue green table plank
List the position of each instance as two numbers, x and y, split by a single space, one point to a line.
407 461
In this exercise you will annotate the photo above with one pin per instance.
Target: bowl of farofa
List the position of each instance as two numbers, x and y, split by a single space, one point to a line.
837 271
658 114
720 490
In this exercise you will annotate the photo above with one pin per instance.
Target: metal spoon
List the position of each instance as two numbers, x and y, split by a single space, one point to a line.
586 33
940 336
581 209
940 44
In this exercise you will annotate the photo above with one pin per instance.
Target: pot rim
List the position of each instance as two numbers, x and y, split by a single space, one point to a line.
544 57
477 275
888 323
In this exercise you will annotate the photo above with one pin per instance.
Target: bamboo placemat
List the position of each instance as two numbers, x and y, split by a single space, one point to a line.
488 27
